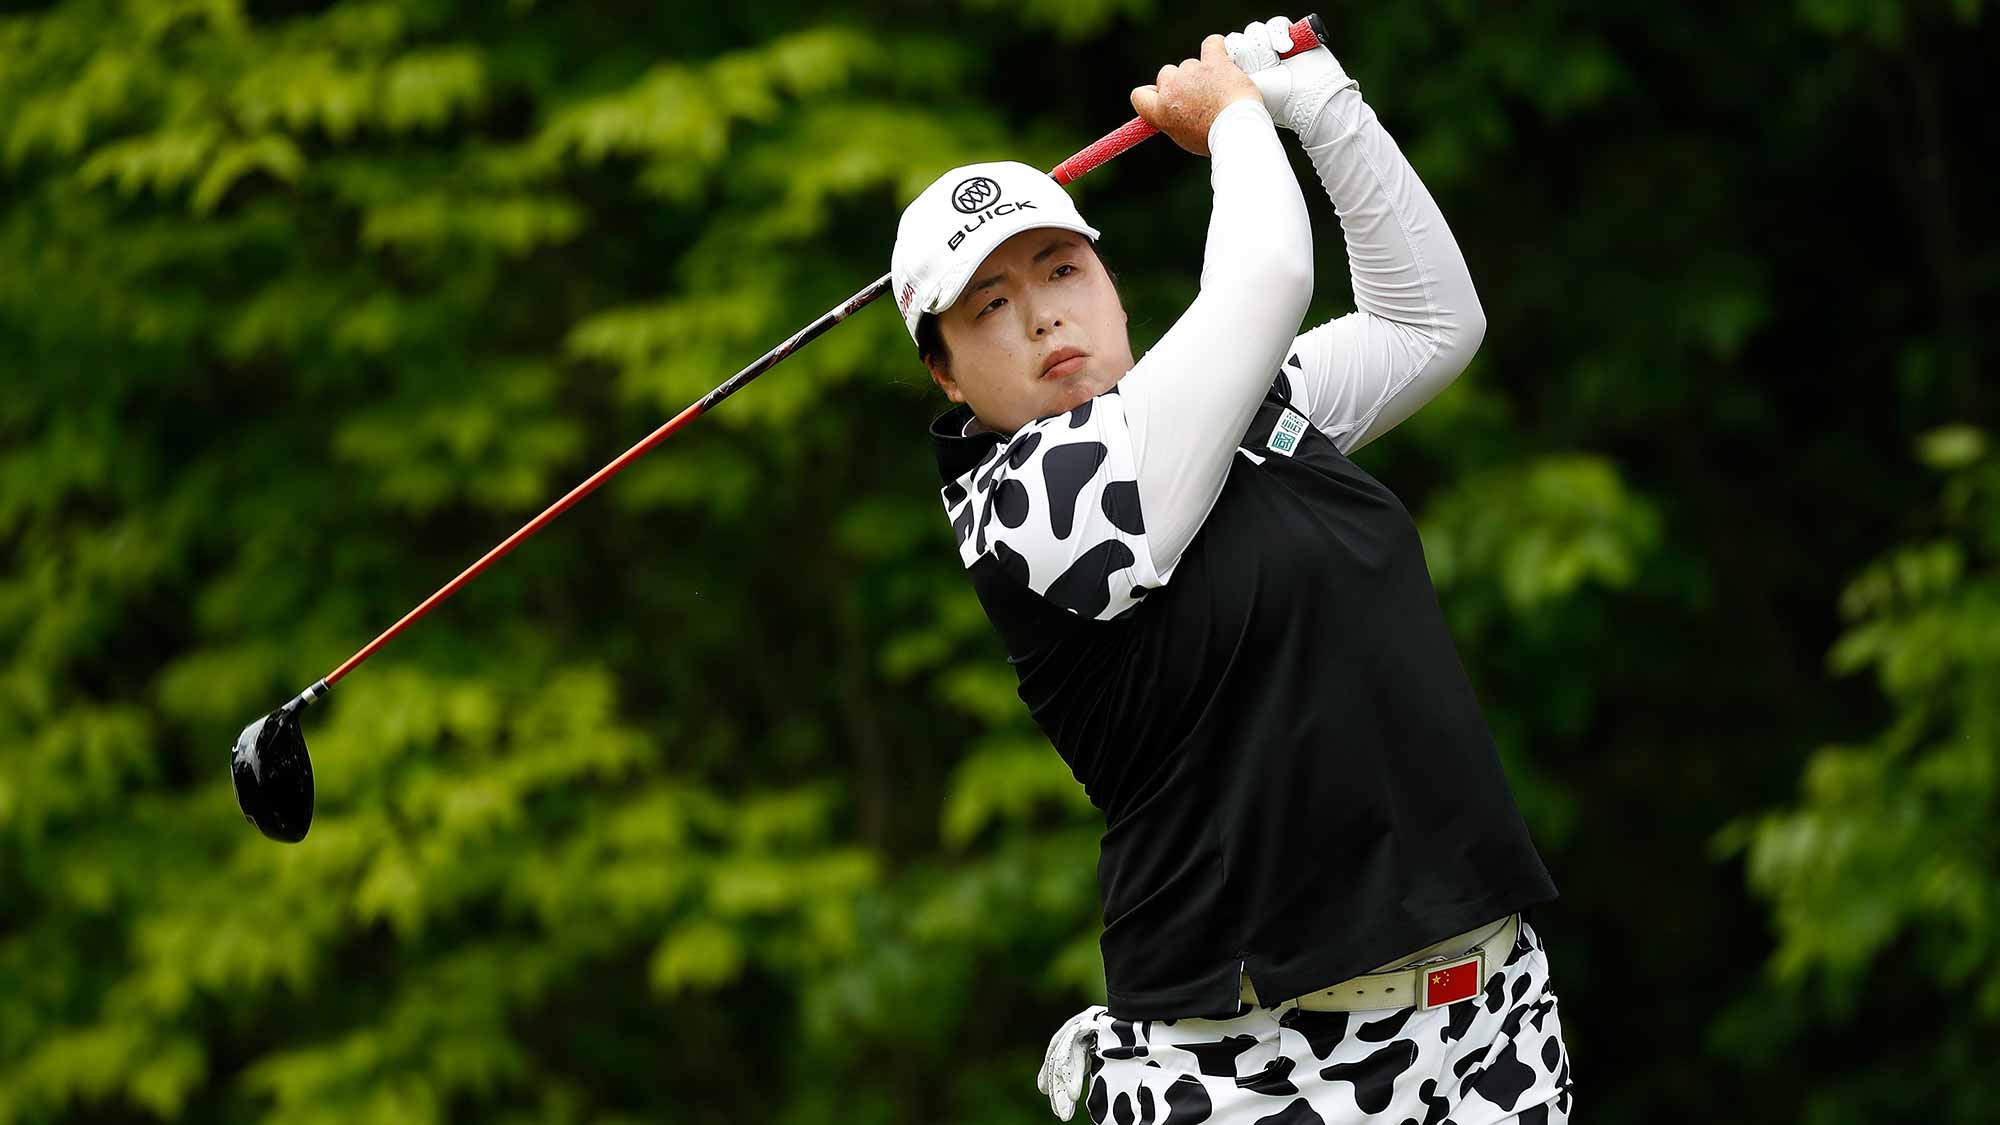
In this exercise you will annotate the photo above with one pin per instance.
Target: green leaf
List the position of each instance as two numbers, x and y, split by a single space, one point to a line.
272 153
1948 448
697 957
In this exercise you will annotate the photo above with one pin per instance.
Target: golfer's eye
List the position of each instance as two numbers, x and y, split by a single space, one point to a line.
993 304
1064 266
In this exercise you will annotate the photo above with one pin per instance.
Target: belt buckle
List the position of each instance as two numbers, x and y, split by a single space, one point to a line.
1453 980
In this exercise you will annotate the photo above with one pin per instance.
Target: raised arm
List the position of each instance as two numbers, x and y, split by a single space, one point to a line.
1093 509
1417 319
1189 399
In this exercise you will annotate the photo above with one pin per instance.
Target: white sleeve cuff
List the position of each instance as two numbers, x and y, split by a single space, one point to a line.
1224 121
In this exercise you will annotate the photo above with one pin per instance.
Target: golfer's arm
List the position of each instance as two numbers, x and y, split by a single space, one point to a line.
1418 320
1188 401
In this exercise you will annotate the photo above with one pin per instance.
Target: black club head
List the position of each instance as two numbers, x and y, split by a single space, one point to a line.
274 776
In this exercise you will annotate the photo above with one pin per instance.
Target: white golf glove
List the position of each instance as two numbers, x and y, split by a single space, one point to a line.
1067 1060
1294 89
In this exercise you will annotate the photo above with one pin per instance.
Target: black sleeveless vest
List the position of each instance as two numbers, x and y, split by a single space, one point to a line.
1295 776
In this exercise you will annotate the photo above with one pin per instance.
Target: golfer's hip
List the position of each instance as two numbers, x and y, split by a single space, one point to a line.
1443 972
1479 1060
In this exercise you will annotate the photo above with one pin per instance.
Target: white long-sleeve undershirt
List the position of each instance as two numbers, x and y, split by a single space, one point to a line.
1416 322
1187 401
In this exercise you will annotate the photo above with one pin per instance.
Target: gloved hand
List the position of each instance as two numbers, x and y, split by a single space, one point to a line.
1294 89
1067 1060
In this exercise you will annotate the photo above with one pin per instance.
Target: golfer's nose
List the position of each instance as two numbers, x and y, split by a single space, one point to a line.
1045 324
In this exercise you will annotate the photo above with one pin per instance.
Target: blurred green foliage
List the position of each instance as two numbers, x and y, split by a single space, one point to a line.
1891 850
714 803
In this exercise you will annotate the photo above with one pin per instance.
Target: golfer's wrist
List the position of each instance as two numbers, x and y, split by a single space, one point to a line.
1219 129
1327 109
1336 119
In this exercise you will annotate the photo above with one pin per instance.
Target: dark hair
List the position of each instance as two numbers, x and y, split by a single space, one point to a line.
930 337
930 342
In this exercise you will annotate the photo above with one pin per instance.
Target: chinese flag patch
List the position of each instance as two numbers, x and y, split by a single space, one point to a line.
1450 983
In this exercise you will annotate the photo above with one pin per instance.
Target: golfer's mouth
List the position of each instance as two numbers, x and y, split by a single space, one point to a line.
1063 361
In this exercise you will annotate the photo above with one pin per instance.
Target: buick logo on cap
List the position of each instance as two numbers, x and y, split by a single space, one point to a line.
975 195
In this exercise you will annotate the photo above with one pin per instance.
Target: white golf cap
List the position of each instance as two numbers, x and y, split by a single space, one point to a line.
958 220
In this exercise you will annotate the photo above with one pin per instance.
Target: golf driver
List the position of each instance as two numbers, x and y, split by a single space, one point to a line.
269 764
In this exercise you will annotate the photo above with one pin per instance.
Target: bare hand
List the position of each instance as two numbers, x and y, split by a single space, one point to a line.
1184 100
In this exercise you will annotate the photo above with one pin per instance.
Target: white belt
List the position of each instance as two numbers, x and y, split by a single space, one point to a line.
1430 983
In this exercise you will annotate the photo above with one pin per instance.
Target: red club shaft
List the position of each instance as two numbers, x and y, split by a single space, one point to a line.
1306 34
514 540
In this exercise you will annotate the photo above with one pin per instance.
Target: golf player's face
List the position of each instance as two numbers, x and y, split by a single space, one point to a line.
1040 296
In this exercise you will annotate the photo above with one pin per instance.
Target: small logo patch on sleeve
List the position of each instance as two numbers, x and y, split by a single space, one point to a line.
1286 435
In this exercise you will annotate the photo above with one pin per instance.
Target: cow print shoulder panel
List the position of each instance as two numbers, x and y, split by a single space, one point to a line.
1057 505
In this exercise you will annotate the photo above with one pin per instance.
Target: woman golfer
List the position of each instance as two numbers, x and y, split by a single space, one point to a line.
1312 869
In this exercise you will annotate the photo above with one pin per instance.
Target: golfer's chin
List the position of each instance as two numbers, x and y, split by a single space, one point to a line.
1070 391
1045 398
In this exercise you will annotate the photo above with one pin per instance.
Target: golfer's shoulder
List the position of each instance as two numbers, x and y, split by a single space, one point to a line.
1055 508
1098 423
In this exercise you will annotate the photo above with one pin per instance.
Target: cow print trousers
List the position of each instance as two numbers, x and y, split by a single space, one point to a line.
1497 1057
